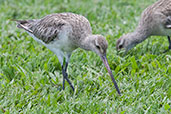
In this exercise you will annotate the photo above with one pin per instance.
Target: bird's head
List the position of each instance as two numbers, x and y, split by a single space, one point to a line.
99 45
126 42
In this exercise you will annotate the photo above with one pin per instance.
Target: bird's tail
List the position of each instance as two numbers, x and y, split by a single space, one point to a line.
24 24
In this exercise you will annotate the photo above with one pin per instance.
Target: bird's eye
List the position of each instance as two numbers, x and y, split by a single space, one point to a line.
98 47
120 46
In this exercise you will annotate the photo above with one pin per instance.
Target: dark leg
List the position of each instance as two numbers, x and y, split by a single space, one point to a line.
169 44
63 79
65 76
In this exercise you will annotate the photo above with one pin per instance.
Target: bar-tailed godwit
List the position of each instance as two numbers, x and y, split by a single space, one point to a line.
62 33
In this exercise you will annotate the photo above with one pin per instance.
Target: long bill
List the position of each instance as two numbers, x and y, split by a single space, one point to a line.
104 59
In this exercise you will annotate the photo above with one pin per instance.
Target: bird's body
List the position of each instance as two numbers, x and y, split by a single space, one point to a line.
155 20
62 33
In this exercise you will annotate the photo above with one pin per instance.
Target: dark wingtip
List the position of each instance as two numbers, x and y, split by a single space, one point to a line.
19 26
22 24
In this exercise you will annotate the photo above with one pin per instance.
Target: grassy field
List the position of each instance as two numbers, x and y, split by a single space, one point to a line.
31 77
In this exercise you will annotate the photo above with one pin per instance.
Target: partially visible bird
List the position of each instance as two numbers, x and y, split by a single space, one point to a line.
62 33
155 20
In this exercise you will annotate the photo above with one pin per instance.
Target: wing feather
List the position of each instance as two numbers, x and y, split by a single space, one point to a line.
46 29
168 22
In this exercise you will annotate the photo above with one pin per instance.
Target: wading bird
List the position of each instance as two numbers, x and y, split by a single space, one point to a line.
155 20
62 33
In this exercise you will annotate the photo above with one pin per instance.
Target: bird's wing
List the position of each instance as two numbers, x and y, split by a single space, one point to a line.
46 29
163 17
160 13
168 22
167 15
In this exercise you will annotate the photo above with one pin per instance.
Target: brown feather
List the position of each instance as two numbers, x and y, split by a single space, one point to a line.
48 28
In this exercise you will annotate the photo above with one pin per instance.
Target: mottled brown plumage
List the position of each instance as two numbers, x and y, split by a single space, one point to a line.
62 33
155 20
48 28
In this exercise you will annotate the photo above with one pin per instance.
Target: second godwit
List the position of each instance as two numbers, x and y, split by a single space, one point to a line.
155 20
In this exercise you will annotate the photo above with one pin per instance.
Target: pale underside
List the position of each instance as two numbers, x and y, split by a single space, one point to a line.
58 47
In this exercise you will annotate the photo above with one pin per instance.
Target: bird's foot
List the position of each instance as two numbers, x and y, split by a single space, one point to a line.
70 84
65 77
63 87
167 49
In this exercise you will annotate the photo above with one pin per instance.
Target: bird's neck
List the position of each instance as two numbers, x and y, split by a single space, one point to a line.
139 35
87 42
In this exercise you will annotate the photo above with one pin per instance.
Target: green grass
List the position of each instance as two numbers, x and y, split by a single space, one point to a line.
31 78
